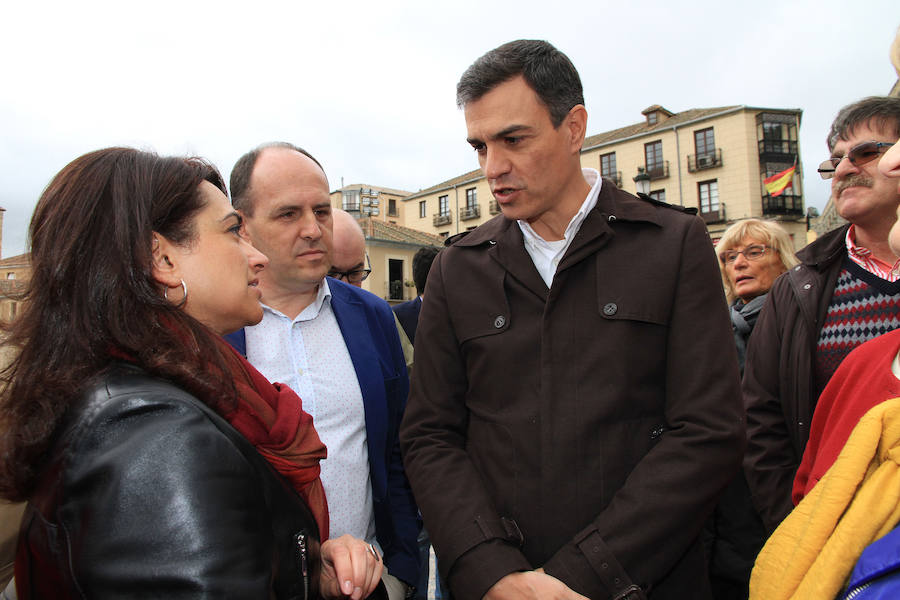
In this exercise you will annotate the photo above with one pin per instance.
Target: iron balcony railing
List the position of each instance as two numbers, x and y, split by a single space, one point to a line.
709 160
442 219
470 212
785 204
659 170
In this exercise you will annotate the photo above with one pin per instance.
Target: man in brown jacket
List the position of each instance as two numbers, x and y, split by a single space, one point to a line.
575 407
843 293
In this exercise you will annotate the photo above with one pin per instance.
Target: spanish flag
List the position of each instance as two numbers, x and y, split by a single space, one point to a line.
777 183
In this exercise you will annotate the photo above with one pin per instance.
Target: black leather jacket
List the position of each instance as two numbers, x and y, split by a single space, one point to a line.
149 493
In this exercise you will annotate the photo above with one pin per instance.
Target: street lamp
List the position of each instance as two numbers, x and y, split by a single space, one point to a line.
642 182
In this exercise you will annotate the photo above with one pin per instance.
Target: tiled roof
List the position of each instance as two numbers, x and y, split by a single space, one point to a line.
389 232
20 260
470 176
642 127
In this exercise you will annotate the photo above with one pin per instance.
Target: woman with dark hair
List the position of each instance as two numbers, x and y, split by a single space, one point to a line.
155 460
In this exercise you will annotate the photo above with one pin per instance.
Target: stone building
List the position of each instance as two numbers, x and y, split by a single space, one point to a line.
713 159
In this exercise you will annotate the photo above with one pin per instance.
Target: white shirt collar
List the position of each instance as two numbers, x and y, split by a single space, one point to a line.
312 311
546 255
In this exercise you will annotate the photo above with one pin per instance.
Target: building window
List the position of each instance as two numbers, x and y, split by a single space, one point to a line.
777 136
709 196
653 156
471 199
652 118
471 210
422 209
392 207
608 167
658 195
351 200
444 234
10 275
704 142
395 279
443 206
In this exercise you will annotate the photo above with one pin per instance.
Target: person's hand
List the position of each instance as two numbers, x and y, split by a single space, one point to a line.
531 585
351 568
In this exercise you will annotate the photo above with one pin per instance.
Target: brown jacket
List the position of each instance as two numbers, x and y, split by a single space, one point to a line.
779 374
596 421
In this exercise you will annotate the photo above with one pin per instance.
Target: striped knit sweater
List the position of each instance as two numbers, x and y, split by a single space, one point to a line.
862 307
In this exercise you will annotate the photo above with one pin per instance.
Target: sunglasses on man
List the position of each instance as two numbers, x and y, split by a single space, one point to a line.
858 156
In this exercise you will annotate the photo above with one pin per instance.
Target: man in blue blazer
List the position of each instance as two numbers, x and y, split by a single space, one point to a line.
337 346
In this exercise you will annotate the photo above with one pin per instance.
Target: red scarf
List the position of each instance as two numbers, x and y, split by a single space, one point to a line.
272 418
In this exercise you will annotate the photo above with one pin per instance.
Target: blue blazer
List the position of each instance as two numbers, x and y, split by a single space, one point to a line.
408 315
371 337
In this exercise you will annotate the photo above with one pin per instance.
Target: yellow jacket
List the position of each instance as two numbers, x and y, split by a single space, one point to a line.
813 551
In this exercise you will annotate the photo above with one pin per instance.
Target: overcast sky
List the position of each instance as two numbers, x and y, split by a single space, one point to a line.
368 87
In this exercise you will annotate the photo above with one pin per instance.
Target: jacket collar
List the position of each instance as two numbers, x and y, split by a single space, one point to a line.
828 248
506 244
612 205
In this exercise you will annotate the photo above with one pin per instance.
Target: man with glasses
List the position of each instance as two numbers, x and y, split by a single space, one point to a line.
337 346
843 292
349 261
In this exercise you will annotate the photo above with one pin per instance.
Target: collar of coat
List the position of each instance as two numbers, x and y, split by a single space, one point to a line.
613 205
822 252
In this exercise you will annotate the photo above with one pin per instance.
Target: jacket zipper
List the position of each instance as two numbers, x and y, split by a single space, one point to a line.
857 591
300 543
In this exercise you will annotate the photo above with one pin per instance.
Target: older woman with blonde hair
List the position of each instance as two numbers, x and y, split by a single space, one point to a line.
752 254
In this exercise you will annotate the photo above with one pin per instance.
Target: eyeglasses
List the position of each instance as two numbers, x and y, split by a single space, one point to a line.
859 155
751 252
354 276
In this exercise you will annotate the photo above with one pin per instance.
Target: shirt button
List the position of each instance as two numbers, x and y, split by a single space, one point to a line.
610 309
300 372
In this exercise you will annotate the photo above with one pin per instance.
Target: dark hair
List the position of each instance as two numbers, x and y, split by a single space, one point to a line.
878 112
92 298
421 265
546 70
243 170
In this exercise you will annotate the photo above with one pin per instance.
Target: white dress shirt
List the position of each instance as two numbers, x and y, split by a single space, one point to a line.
309 355
546 255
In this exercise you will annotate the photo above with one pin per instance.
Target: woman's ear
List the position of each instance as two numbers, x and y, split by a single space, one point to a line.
164 262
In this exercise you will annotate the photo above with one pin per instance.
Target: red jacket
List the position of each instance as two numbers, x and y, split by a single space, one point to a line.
863 380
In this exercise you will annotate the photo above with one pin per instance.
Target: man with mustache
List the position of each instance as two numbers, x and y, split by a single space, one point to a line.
336 345
845 291
575 406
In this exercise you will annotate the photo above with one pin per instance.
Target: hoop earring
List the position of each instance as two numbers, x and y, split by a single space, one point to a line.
184 297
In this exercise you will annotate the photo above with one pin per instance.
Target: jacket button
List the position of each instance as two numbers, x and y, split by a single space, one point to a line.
612 218
610 309
499 322
807 286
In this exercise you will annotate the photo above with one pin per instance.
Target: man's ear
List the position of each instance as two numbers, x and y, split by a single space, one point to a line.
576 126
164 262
